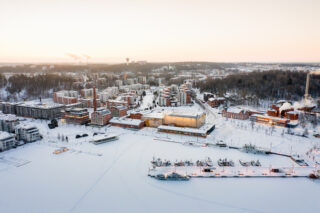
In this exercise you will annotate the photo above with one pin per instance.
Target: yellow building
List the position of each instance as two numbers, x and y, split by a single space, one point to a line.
185 119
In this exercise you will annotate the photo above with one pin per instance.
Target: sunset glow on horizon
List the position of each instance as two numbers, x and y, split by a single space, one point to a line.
169 30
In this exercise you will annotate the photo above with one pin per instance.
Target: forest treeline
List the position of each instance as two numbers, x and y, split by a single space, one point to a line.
275 84
33 86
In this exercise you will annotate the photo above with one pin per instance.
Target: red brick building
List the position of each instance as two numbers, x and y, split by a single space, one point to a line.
272 112
235 113
100 117
118 111
292 115
270 120
112 103
135 115
215 102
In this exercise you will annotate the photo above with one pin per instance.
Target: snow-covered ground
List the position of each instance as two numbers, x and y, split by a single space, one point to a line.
147 100
112 177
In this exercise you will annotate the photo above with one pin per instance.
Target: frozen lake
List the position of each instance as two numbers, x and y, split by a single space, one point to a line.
81 181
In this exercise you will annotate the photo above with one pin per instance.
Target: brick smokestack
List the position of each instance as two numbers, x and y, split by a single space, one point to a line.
94 99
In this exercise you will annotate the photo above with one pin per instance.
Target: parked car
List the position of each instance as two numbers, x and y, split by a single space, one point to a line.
78 136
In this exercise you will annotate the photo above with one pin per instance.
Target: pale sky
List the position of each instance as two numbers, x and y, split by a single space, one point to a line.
160 30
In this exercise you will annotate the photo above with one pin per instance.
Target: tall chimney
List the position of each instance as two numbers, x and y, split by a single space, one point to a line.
94 99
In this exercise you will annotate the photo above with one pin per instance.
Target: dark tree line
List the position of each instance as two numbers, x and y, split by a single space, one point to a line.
264 85
39 85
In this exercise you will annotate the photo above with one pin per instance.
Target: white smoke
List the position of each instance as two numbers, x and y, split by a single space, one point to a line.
285 106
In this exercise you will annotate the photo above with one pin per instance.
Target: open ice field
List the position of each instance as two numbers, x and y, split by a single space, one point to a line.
112 177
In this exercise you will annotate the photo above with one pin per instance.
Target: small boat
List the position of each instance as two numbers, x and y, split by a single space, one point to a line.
200 163
181 163
188 163
156 162
172 176
208 162
276 170
208 169
249 148
225 162
166 163
255 163
299 160
243 163
315 175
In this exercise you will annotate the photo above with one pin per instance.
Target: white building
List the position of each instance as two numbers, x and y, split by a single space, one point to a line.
27 133
118 83
142 79
7 141
8 123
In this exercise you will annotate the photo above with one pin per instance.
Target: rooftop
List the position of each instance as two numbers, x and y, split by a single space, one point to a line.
44 104
189 114
184 129
270 117
5 135
155 114
126 121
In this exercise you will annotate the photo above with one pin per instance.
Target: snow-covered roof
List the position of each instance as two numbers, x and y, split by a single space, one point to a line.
234 110
5 135
272 110
186 113
26 126
44 104
157 115
126 121
183 129
270 117
292 112
8 117
104 136
218 98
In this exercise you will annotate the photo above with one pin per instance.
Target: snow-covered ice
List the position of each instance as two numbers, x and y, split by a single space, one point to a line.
112 177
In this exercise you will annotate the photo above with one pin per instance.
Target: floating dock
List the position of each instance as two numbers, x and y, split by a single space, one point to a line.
234 172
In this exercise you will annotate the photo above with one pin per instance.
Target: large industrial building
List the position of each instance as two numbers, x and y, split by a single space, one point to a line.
185 119
33 109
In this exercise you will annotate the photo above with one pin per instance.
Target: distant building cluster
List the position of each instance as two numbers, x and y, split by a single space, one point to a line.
175 95
281 114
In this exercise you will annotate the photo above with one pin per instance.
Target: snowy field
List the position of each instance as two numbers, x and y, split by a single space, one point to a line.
112 177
